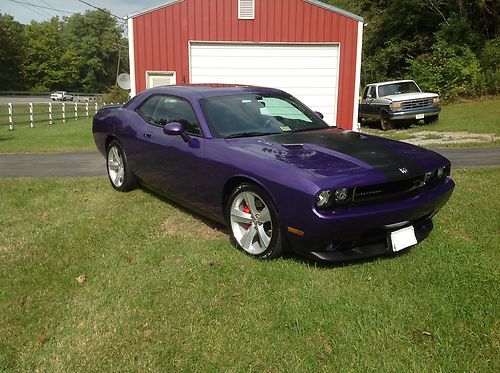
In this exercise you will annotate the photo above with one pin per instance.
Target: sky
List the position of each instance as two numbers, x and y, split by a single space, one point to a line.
23 10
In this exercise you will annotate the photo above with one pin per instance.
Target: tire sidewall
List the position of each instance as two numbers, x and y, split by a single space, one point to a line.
128 178
275 248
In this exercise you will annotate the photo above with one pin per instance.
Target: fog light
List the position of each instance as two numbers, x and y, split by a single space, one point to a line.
436 101
323 199
341 195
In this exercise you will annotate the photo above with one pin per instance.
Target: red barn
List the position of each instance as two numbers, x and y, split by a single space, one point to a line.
305 47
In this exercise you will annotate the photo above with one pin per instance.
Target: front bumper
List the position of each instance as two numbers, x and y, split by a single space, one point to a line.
362 231
369 247
429 111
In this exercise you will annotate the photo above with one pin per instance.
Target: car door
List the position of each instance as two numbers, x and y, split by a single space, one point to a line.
170 164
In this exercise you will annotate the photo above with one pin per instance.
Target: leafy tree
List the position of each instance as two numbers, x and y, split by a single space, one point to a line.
11 53
43 67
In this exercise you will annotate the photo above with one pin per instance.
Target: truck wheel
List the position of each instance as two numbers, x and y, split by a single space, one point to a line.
386 123
429 120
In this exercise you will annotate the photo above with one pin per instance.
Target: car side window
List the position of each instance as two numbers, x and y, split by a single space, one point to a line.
365 92
159 110
371 92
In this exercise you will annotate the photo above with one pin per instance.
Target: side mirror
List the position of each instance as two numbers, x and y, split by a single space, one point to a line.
176 129
369 96
319 115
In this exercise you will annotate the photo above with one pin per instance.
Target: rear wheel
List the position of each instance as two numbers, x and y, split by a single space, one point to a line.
254 222
385 122
120 176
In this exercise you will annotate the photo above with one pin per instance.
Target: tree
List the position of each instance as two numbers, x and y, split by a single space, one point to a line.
11 53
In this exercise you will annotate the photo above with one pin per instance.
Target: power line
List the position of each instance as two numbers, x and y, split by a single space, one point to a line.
102 10
24 3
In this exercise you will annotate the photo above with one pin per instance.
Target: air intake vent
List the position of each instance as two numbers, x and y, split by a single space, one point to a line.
246 9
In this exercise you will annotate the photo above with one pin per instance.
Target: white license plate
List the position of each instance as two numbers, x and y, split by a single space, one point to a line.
403 238
419 116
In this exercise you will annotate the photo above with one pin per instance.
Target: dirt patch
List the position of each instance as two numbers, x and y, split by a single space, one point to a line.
186 225
444 138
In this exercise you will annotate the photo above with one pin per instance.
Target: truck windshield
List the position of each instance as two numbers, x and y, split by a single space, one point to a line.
254 115
397 89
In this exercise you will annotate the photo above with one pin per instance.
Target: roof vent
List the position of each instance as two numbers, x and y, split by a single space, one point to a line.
246 9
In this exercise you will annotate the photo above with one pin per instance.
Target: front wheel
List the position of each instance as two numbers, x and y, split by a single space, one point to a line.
432 119
385 123
119 173
254 223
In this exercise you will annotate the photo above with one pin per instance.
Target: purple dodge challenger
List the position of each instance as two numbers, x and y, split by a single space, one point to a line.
263 163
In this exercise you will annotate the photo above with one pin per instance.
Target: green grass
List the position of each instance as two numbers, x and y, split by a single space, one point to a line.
74 135
165 291
474 117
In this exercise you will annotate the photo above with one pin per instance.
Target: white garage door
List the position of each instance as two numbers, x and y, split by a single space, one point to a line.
309 72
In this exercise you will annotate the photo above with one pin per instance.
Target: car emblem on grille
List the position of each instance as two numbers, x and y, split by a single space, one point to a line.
403 170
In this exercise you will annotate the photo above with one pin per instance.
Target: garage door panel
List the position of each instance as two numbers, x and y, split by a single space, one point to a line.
261 62
238 71
309 72
270 51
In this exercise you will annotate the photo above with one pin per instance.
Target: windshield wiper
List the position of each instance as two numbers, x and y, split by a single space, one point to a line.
250 134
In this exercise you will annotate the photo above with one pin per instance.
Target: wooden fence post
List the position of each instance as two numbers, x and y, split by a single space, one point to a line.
63 109
11 122
76 110
50 113
32 121
87 109
95 108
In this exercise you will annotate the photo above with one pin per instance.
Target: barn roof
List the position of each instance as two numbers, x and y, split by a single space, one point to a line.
313 2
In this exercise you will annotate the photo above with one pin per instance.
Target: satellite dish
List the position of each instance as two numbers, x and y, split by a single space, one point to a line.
123 81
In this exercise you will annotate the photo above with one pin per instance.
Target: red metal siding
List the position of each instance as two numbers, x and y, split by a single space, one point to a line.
161 37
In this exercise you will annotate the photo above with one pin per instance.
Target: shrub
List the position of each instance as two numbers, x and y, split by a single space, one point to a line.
116 95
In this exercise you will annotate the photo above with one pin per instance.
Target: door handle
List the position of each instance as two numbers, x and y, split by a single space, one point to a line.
147 134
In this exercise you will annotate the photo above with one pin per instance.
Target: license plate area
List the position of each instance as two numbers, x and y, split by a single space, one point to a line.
403 238
419 116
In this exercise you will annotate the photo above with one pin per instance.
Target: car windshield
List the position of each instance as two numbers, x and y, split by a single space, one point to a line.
397 89
254 115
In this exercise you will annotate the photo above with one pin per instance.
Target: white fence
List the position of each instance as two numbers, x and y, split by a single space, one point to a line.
33 113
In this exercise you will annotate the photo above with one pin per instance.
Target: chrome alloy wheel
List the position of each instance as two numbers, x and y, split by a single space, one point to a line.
251 222
116 167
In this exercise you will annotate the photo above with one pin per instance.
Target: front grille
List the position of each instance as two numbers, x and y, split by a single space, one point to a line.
392 189
413 104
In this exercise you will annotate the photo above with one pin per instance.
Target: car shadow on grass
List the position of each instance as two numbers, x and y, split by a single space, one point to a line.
186 223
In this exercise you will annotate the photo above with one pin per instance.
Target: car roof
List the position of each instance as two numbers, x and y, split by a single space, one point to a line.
391 82
211 90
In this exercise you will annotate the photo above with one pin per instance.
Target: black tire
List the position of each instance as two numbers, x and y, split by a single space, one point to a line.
120 176
385 123
259 230
429 120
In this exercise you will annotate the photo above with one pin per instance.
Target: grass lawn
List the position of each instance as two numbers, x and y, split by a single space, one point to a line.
475 117
74 135
165 291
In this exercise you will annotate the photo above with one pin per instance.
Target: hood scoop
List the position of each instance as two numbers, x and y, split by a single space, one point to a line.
293 146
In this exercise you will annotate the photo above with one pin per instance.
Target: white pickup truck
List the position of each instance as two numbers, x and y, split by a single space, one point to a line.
61 96
396 102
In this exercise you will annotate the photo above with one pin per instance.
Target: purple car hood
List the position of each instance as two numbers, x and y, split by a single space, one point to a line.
333 152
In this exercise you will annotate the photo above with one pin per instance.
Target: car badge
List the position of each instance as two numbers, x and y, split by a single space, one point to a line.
403 170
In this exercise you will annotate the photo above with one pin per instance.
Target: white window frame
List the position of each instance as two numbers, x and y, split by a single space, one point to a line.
160 73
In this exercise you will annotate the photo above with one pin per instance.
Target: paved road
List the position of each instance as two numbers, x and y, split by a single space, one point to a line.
92 163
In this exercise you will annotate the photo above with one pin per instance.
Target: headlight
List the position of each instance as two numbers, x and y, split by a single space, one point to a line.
436 101
327 197
324 198
341 195
395 106
443 172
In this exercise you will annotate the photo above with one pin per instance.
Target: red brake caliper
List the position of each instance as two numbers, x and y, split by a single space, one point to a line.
246 210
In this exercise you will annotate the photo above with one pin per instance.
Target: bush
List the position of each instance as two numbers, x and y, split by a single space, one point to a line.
116 95
452 71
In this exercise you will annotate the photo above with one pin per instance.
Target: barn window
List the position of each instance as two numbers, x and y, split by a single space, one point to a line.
246 9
